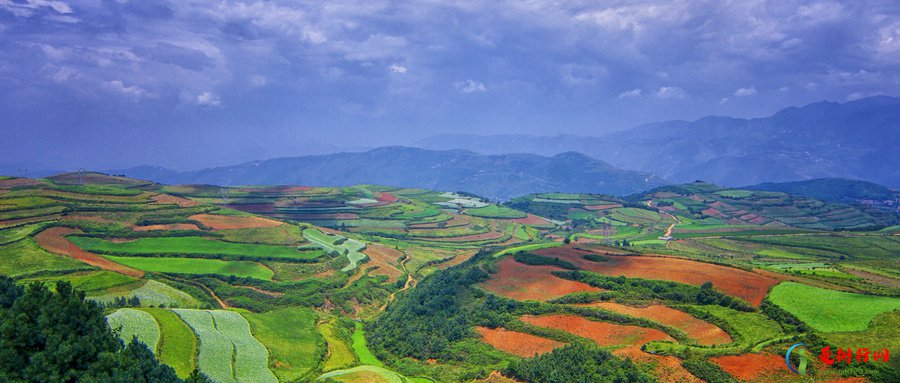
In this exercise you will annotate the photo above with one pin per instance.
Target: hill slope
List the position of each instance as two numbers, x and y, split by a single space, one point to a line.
493 176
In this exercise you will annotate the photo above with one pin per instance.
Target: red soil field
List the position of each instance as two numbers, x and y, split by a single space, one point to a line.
714 213
704 332
751 287
386 197
224 222
54 241
168 199
602 207
722 206
668 368
603 333
256 208
517 343
532 219
14 182
522 282
752 366
386 259
4 191
760 220
172 226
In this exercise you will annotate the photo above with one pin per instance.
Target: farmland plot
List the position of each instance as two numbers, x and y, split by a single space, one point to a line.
228 353
135 323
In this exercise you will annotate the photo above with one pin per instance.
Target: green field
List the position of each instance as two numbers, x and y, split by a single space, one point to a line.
340 355
496 211
191 246
361 349
153 293
751 328
177 344
91 282
228 353
135 323
14 234
291 338
25 257
529 247
195 266
829 310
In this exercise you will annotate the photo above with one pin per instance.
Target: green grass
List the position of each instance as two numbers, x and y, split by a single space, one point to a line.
361 349
131 323
177 343
195 266
339 353
291 338
153 293
19 232
829 310
752 328
89 281
881 334
25 257
191 246
495 211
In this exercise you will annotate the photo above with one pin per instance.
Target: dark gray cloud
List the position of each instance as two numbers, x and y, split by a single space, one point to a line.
193 83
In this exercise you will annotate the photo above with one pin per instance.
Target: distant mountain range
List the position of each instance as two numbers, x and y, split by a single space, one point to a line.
857 139
498 177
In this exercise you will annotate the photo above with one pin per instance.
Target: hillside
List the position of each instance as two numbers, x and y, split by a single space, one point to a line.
381 283
833 190
856 139
498 177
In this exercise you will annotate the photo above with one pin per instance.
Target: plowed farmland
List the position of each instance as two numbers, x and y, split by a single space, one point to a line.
517 343
604 333
519 281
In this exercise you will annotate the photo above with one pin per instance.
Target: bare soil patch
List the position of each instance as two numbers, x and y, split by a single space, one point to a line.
225 222
522 282
668 368
168 199
171 226
16 182
54 241
386 259
704 332
603 333
517 343
532 219
750 286
753 366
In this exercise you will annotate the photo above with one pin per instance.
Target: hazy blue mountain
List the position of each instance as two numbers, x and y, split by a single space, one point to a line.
494 176
832 190
857 139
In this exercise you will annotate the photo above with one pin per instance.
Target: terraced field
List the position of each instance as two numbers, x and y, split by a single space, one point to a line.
132 323
228 352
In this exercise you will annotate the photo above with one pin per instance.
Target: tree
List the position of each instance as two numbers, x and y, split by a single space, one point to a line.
58 337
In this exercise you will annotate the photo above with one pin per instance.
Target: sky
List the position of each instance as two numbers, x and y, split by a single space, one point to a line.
109 84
